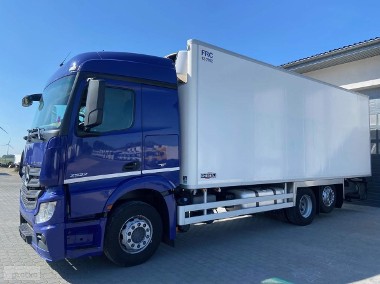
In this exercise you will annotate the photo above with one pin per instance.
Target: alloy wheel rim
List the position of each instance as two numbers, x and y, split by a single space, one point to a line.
305 206
136 234
328 196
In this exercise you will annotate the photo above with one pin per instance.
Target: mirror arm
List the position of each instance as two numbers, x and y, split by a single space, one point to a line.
28 100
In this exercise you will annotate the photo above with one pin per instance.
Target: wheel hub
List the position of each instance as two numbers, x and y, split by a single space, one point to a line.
328 196
136 234
305 206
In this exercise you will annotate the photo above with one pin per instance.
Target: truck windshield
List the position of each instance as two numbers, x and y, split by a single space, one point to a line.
53 103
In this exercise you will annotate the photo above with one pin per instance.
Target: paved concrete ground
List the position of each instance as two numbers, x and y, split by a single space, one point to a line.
341 247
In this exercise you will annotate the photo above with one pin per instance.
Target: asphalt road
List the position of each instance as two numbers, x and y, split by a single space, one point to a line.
341 247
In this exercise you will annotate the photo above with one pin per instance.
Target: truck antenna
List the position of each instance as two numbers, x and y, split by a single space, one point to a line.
60 65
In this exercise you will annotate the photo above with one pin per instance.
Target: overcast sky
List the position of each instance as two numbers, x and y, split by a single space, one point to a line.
37 35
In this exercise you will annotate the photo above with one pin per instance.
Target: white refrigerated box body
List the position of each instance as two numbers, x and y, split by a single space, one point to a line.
245 122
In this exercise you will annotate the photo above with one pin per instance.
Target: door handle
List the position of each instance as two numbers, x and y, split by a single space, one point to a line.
132 166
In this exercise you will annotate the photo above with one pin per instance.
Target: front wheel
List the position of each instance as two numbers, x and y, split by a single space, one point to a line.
133 234
327 198
304 211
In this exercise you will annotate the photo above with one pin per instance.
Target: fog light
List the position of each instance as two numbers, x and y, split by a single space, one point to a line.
46 212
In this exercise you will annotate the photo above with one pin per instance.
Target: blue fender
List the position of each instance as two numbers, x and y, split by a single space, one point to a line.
154 183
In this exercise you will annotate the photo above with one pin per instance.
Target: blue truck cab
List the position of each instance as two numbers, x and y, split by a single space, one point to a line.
101 160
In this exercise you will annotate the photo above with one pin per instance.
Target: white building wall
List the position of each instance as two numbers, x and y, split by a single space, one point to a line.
357 75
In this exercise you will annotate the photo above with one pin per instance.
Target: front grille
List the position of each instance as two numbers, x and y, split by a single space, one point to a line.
30 189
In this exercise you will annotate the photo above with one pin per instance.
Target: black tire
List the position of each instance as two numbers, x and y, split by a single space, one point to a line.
133 233
327 198
304 211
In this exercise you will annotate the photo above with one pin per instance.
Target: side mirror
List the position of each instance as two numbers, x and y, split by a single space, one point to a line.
28 100
94 103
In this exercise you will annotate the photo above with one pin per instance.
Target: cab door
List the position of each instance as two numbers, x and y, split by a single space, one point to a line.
102 157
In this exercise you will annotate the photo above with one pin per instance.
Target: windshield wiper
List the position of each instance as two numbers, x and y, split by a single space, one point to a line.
35 133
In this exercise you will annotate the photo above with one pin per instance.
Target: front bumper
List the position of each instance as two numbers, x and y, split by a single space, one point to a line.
58 241
57 238
47 241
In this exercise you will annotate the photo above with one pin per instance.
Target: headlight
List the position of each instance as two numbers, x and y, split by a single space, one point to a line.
46 212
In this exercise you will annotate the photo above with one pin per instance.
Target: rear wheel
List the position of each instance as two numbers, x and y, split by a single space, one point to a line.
304 211
133 234
327 198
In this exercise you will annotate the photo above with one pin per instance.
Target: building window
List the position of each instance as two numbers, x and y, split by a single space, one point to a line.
374 124
373 148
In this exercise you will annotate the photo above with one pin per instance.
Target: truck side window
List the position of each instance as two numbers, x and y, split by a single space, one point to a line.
118 111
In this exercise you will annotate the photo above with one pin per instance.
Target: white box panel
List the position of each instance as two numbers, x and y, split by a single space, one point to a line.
246 122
